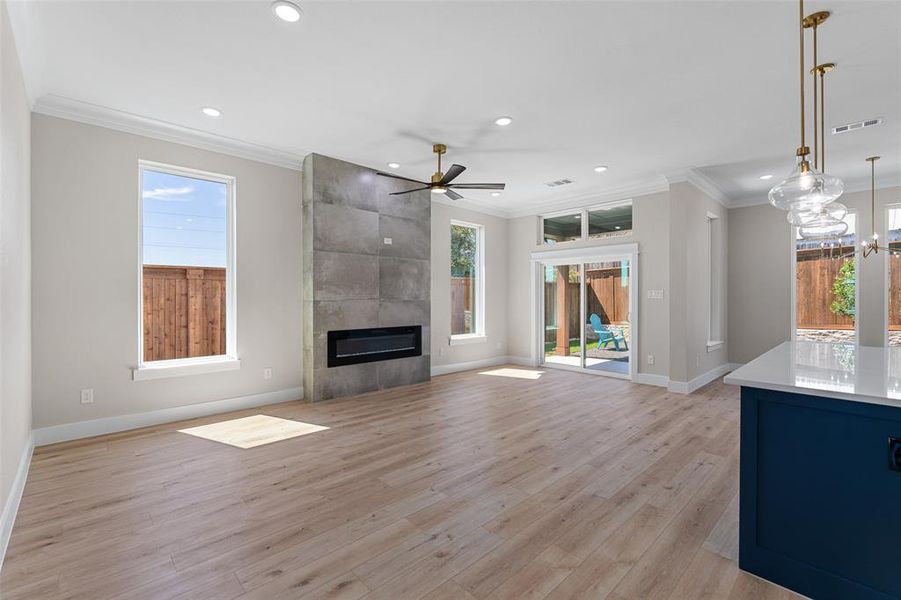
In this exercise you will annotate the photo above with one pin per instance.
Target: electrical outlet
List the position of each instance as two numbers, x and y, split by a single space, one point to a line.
440 351
650 359
87 396
499 345
267 373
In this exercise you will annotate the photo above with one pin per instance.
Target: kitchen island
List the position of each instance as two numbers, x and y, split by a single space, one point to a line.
820 498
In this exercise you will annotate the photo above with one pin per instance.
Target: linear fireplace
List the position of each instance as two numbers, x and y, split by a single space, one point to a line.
354 346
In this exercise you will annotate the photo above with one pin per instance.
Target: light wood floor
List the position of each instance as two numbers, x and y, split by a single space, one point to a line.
471 486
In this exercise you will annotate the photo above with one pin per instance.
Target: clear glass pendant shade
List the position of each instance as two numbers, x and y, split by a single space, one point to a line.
836 210
805 189
823 226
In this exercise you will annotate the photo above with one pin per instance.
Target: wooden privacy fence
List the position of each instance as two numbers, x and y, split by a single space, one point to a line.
461 303
184 312
607 298
815 277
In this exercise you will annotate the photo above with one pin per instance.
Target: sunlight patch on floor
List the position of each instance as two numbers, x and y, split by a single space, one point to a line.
515 373
250 432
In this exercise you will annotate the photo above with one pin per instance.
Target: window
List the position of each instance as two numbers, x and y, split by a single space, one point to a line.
187 265
893 239
562 228
467 281
613 219
714 282
826 287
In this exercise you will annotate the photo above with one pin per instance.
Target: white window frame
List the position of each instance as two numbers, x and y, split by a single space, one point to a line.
886 223
714 284
479 335
201 364
583 216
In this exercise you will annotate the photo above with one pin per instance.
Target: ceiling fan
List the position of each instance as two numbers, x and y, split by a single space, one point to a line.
441 182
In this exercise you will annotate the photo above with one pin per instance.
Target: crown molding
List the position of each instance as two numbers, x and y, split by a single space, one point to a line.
472 205
703 183
853 186
102 116
643 187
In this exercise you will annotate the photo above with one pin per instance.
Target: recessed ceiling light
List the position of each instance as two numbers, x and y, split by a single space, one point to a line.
394 165
503 121
495 194
765 177
286 11
211 112
600 168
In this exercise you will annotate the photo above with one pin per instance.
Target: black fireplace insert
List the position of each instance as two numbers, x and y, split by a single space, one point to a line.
353 346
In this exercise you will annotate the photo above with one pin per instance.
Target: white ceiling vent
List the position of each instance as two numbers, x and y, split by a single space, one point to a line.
857 125
558 182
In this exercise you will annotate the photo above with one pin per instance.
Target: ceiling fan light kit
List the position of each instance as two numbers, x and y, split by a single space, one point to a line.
442 183
808 191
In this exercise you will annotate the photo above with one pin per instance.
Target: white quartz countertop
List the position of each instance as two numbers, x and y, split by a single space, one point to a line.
857 373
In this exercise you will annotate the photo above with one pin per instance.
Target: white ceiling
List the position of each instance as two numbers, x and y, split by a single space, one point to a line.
648 88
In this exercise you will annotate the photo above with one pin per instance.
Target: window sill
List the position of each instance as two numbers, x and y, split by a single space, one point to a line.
181 367
714 345
468 338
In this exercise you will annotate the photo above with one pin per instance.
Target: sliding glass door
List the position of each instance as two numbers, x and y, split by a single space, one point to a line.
562 314
587 316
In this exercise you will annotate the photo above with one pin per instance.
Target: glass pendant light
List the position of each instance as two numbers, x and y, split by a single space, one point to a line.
836 210
823 226
807 189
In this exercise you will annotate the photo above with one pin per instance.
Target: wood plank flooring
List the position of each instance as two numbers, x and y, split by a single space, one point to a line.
467 487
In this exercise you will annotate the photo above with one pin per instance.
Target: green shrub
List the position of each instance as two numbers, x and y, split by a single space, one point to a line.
843 290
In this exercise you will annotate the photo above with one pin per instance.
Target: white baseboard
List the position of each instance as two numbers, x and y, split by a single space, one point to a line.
652 379
11 507
84 429
687 387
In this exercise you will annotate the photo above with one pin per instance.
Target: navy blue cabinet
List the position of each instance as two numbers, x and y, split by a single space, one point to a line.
820 504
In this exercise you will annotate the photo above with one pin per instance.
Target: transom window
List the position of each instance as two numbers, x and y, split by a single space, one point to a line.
613 219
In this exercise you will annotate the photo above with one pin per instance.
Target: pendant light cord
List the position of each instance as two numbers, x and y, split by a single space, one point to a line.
801 38
816 145
822 155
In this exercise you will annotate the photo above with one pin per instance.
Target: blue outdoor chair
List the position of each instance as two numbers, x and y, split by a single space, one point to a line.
607 334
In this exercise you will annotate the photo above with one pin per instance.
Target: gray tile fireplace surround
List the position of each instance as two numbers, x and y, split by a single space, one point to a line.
352 279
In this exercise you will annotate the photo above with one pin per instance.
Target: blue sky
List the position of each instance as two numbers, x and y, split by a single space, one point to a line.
184 220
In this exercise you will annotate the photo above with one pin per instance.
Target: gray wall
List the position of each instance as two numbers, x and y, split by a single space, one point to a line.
690 304
760 280
85 257
495 343
650 219
15 262
353 280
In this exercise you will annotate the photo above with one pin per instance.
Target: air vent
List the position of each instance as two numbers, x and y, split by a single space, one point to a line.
558 182
857 125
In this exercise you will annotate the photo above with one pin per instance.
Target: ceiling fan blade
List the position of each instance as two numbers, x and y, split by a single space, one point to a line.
478 186
410 191
452 194
401 178
452 174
